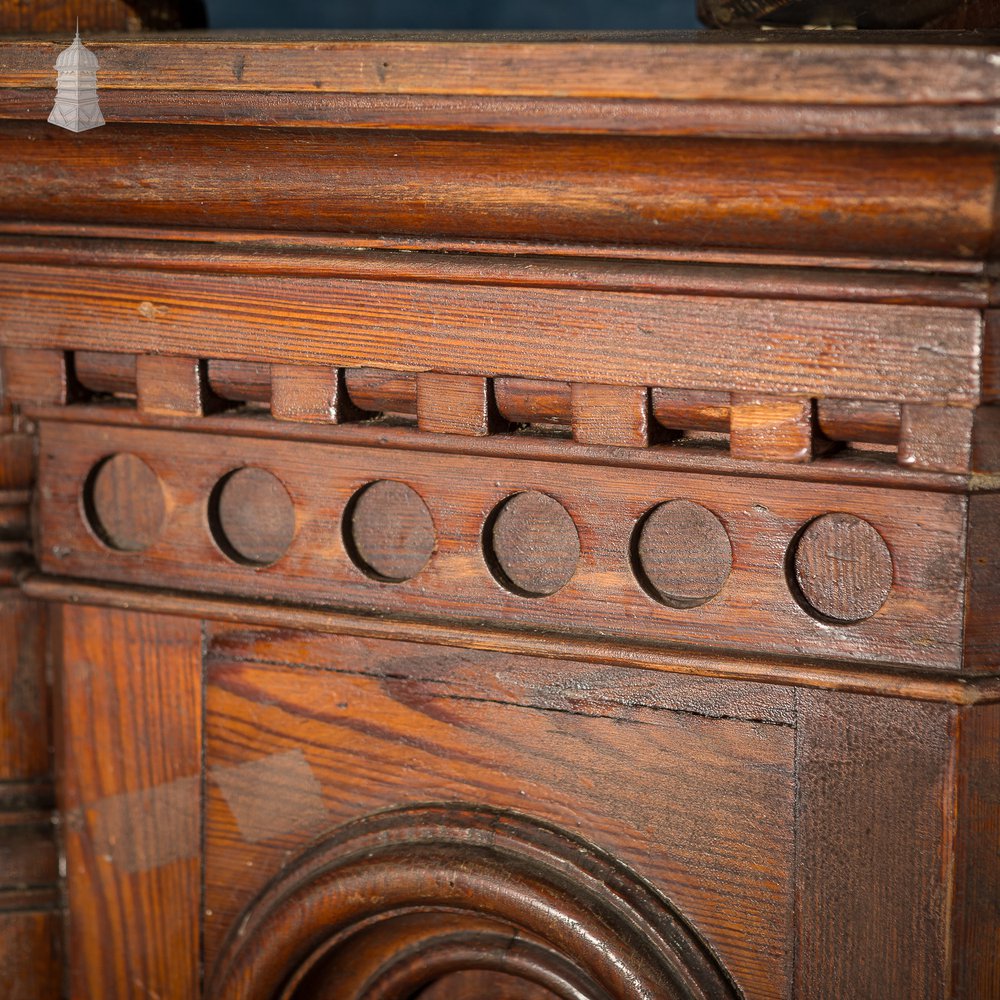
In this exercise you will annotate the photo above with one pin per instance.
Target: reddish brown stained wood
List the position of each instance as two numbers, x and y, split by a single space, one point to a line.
713 665
846 467
892 199
611 414
24 698
950 438
105 371
920 625
691 409
873 904
658 269
253 517
36 376
378 390
311 393
533 401
125 503
241 381
842 567
455 404
727 865
129 758
389 531
30 955
801 348
975 972
768 427
982 584
683 553
905 70
534 543
172 386
858 420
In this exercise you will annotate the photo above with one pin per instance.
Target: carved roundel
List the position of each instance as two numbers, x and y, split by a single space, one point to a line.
124 503
681 554
531 544
841 568
403 900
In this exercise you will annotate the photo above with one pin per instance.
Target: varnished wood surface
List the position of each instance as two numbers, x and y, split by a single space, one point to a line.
920 623
129 765
878 198
400 723
873 861
907 69
806 348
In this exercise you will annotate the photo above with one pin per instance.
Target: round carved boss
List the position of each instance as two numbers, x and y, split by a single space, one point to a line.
124 503
401 900
531 544
842 568
252 516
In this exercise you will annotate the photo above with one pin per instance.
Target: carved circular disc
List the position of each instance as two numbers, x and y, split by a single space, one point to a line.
533 542
253 517
124 503
682 553
388 531
842 567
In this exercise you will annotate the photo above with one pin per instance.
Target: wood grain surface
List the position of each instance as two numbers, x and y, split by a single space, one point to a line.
873 852
846 350
920 624
129 763
383 724
889 198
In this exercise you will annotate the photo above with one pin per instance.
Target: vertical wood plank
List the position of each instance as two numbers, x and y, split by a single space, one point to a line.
976 938
129 760
873 846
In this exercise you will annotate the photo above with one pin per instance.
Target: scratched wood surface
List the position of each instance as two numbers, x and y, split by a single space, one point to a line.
352 726
129 766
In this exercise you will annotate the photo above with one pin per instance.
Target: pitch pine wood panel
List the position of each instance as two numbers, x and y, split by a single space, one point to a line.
129 763
876 808
975 971
294 749
920 623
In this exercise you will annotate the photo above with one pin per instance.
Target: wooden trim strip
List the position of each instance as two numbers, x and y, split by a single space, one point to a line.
950 690
678 66
722 119
910 353
525 270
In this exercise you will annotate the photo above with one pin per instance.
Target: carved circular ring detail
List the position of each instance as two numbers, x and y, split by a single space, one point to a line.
124 503
681 554
416 894
842 568
388 531
252 516
531 544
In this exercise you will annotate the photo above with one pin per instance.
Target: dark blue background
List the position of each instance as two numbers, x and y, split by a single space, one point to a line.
454 14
